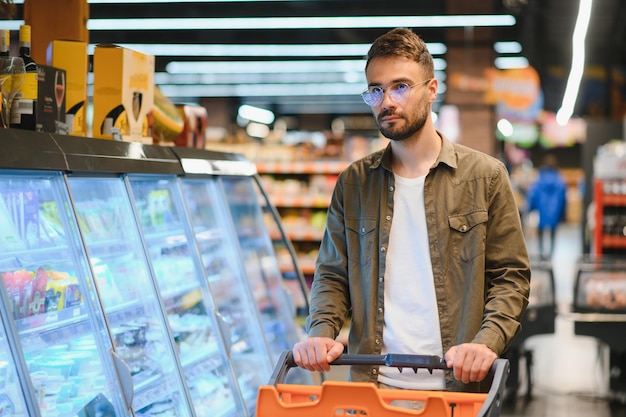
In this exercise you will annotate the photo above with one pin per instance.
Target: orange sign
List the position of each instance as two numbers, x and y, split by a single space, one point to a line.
517 88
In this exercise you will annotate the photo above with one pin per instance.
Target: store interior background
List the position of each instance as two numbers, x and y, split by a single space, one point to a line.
332 109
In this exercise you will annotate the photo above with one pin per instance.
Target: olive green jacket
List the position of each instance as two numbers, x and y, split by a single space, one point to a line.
478 252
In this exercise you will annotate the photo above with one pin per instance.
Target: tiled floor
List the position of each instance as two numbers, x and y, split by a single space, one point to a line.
569 373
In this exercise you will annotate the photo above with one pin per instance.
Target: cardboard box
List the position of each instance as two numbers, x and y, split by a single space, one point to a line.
71 56
51 88
196 122
123 94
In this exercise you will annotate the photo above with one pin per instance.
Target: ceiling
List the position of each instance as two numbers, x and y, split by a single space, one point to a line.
543 27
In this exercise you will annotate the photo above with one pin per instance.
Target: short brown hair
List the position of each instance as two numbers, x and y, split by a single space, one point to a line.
402 42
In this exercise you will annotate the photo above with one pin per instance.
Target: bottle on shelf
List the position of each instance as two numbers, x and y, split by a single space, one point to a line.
5 42
5 75
24 107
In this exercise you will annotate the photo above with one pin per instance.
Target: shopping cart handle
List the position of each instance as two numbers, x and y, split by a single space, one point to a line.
430 362
397 360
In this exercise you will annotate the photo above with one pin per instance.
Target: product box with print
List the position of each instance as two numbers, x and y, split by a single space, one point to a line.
123 94
71 56
51 87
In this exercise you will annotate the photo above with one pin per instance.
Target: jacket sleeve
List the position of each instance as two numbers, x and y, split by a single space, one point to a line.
507 269
329 299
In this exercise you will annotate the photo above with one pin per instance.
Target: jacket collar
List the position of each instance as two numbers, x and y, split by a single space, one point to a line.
446 155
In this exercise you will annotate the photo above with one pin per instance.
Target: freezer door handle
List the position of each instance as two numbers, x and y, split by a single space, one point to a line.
126 380
225 330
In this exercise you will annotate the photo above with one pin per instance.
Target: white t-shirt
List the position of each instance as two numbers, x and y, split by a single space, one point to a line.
411 314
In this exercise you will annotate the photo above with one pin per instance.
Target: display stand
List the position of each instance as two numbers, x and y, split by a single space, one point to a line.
539 319
600 311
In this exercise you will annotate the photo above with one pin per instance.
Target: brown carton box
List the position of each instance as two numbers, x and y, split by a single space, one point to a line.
123 93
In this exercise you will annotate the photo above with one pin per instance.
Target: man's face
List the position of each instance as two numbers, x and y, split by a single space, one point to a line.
403 118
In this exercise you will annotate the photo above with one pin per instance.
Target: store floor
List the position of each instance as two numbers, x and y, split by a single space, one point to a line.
569 373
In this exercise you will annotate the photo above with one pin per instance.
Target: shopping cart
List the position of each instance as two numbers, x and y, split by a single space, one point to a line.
339 398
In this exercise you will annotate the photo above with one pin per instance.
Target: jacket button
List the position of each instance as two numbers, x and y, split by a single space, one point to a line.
464 228
391 188
388 218
373 371
382 249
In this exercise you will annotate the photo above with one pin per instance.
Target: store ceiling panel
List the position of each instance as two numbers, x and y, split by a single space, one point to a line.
264 65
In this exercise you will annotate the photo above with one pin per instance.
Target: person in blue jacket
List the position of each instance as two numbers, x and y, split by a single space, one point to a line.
547 195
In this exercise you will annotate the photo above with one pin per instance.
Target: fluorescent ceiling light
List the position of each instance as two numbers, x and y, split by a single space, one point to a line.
505 127
255 114
511 62
268 90
507 47
261 90
274 78
224 50
340 22
254 67
578 63
330 22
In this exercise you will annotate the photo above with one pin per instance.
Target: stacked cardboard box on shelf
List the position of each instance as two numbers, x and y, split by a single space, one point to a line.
123 94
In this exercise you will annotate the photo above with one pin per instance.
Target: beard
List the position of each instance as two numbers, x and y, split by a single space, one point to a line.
413 124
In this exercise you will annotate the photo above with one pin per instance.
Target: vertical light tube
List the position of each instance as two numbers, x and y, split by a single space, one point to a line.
578 63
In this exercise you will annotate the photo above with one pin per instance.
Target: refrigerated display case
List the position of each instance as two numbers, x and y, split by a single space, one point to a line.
135 306
244 197
218 247
52 297
180 273
200 336
137 257
14 390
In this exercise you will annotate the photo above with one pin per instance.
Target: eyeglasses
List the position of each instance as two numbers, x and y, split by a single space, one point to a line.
398 92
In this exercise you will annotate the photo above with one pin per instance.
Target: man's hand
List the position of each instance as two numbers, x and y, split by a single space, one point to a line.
316 353
471 361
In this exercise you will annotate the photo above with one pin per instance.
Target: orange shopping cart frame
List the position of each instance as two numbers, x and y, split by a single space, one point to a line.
338 398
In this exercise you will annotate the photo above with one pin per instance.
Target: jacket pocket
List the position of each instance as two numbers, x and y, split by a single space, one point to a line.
468 234
360 240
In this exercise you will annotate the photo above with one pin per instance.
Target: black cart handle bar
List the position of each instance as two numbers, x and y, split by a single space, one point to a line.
398 360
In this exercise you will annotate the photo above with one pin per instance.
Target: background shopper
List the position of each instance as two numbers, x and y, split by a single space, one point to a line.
548 197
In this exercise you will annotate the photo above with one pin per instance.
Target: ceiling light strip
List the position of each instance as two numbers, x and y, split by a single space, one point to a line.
332 22
578 63
255 67
225 50
268 90
282 78
255 23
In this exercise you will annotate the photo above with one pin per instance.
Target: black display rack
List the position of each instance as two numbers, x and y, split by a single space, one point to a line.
600 311
539 319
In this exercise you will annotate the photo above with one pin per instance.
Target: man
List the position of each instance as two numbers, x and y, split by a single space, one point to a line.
423 245
548 196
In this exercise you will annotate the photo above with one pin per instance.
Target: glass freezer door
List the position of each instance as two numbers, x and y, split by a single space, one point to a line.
186 296
12 400
263 272
130 299
219 249
51 292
